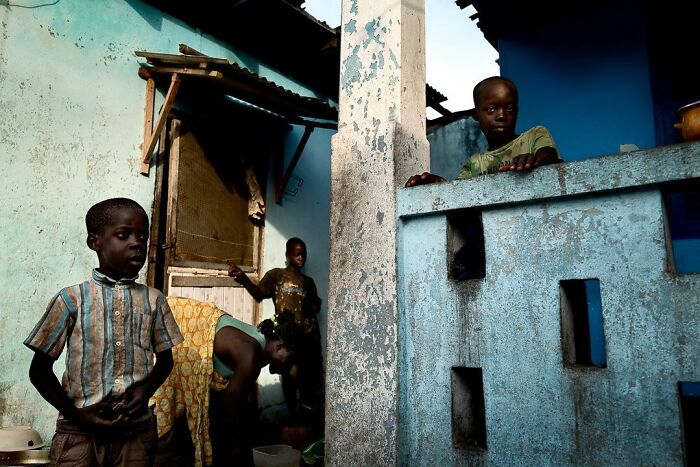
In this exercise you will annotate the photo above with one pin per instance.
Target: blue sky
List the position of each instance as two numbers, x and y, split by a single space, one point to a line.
457 56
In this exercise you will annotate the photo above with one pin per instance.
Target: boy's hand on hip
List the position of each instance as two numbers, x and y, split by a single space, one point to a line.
134 401
98 415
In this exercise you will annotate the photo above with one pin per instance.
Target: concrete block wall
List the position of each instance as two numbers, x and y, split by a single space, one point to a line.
601 219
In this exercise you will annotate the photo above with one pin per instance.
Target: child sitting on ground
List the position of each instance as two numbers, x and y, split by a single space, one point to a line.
295 298
496 108
111 327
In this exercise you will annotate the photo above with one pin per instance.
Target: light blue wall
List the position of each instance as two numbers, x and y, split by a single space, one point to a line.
303 213
450 145
598 218
70 136
586 78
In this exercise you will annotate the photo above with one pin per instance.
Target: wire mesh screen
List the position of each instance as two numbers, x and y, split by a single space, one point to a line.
212 216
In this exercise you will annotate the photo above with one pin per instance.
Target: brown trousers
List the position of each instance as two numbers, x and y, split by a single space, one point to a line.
79 450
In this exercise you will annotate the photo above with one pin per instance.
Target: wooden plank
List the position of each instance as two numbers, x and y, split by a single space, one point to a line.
198 267
162 118
199 72
204 281
186 59
171 206
154 244
148 111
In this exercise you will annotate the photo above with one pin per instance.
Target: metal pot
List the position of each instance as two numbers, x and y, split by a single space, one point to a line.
30 457
690 121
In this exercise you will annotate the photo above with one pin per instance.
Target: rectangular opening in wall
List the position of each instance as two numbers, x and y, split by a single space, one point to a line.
582 333
468 409
682 204
466 255
689 393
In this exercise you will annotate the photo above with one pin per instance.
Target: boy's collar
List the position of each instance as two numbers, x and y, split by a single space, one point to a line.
105 280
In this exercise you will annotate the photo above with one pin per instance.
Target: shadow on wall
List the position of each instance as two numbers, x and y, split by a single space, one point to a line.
304 213
451 144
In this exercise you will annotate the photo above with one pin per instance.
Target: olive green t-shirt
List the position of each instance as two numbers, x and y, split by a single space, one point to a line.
290 291
488 162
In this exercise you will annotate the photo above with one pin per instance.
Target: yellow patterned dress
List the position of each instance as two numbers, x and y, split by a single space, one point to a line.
186 391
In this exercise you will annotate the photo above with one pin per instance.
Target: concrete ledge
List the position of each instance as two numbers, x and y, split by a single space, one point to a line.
618 171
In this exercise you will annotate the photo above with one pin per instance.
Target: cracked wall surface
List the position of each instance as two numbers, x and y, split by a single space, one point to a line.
380 143
537 411
70 136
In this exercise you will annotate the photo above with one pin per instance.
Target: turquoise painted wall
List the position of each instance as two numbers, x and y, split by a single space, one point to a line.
592 219
70 136
586 78
450 145
304 213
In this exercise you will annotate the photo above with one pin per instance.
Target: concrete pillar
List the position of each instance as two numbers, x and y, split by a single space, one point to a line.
380 142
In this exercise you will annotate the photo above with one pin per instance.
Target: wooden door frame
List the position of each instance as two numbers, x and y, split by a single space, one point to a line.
169 153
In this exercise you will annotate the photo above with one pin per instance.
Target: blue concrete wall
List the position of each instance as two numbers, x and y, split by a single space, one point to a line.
450 145
303 213
586 78
539 229
69 82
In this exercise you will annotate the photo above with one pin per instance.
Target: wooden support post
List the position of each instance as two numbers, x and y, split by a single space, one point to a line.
282 183
171 206
148 110
162 118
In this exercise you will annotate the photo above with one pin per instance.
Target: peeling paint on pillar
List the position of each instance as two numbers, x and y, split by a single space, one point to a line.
381 142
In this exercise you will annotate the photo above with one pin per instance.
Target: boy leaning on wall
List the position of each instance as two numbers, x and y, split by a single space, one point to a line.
496 110
111 328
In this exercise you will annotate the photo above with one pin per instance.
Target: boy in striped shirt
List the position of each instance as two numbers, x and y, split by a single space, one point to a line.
112 328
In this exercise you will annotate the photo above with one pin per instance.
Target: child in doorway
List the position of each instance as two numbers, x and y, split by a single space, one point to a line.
496 107
295 298
112 327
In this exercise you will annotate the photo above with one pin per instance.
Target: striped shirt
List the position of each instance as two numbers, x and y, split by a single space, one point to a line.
111 330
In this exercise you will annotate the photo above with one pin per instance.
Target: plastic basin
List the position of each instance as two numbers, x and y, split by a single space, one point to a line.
276 455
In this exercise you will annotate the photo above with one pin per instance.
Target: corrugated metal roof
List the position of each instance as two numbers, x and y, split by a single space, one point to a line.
239 82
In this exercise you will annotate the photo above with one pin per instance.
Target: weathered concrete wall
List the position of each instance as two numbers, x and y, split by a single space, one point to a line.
70 136
380 143
450 145
539 228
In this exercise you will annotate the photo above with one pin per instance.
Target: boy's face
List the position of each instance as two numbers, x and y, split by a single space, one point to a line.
497 112
296 256
121 247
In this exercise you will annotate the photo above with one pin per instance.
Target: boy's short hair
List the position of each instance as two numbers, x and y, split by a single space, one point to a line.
492 79
100 215
294 241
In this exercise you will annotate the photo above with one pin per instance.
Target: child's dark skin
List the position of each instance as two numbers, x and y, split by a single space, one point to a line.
296 258
497 112
121 251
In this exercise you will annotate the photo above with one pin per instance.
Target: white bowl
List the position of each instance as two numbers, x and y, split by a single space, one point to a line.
19 438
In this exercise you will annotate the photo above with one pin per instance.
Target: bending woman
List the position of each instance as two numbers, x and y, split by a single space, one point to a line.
220 357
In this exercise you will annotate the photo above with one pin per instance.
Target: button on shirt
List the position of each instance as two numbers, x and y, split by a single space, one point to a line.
111 330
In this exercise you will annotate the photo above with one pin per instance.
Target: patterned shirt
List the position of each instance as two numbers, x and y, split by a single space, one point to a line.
111 329
291 292
489 162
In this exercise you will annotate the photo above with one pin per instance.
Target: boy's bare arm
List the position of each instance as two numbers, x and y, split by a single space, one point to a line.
44 380
543 156
136 397
240 276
